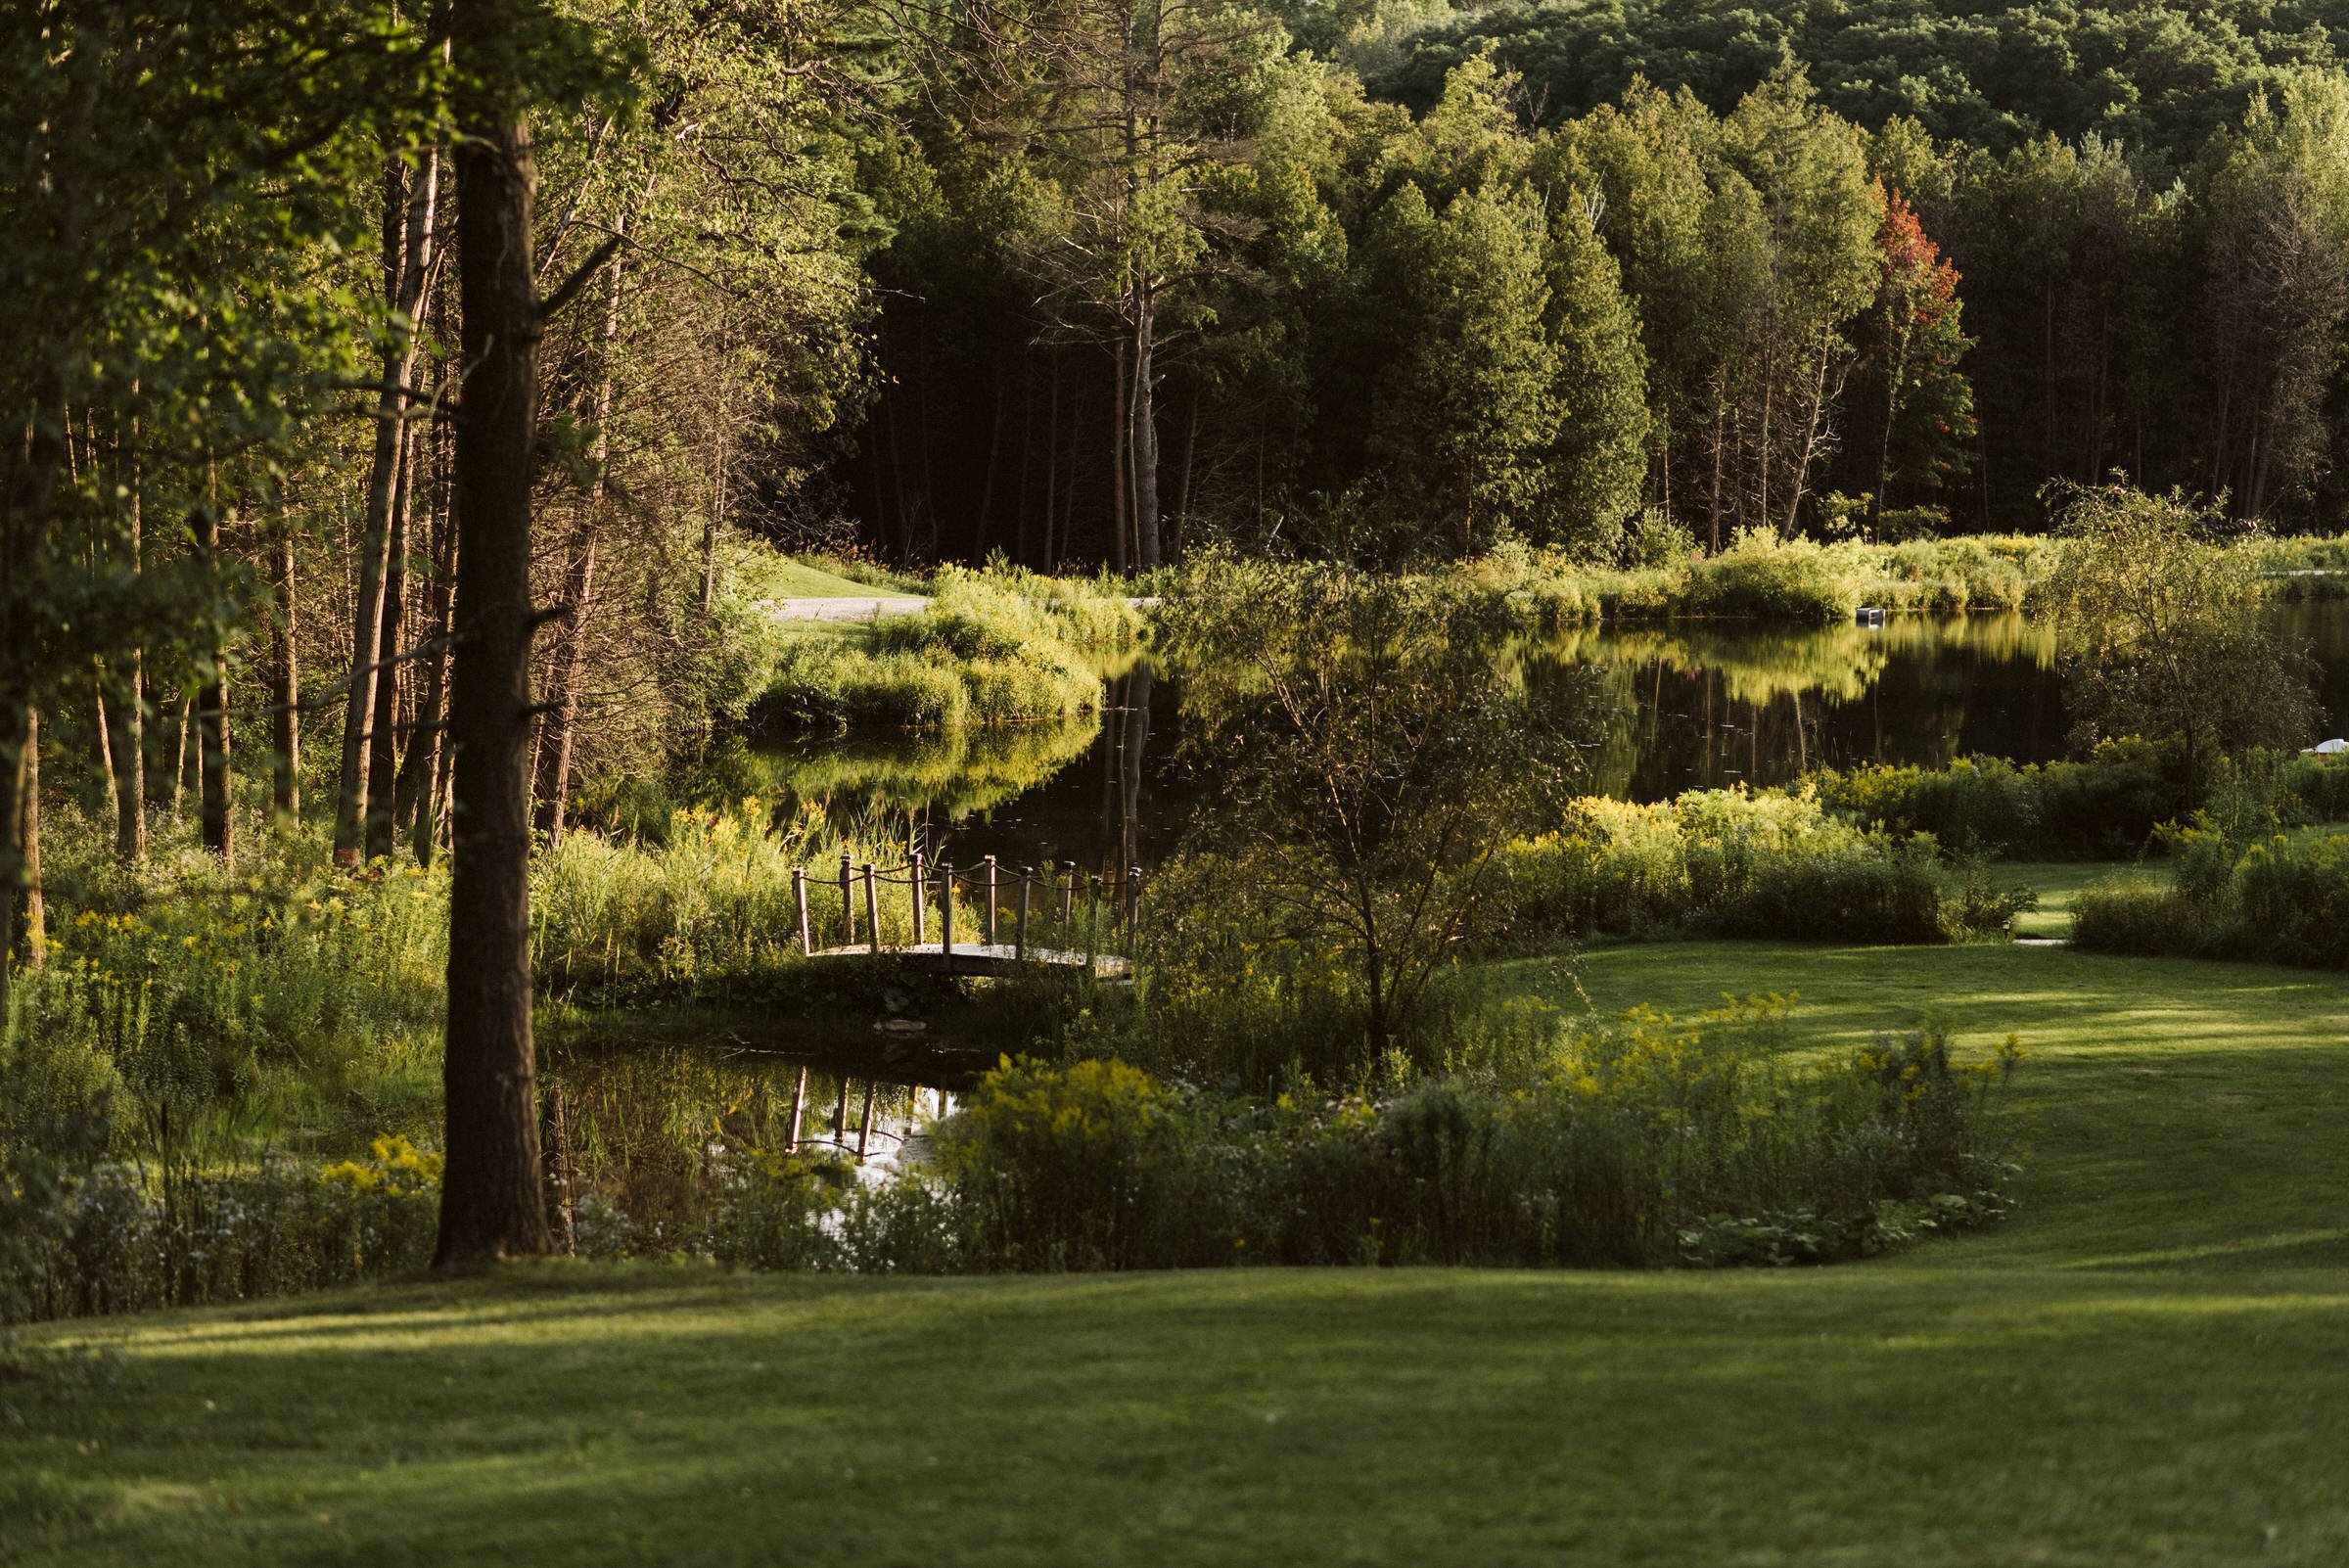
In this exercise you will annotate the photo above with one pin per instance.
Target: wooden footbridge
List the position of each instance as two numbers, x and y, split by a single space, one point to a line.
1057 916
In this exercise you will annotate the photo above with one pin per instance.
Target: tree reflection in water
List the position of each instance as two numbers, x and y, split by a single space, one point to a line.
642 1141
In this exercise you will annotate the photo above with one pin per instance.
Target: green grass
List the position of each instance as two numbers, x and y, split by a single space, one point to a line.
2150 1363
795 579
2058 882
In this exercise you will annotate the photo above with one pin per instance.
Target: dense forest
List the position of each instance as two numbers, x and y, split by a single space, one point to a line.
1082 285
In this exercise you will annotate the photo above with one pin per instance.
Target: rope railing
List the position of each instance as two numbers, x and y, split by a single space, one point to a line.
1059 908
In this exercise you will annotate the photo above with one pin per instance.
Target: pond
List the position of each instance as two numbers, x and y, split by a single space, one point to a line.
643 1137
650 1128
1682 704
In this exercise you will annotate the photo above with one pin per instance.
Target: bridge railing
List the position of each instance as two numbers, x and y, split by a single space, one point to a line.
1053 912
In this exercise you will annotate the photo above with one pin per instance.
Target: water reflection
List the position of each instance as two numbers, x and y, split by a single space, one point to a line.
1686 705
654 1134
1712 705
1085 792
935 775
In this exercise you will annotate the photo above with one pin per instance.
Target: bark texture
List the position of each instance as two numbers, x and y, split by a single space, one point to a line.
492 1200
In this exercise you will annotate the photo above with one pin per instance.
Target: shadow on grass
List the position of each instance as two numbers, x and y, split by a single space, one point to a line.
1253 1416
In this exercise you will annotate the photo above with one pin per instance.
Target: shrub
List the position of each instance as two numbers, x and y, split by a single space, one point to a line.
1764 577
2128 914
2312 789
1082 1167
1653 541
1001 646
120 1237
2277 898
1725 863
2110 804
1637 1141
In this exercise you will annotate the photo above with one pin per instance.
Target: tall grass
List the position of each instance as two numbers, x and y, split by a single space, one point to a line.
2114 802
706 913
1639 1140
998 646
1734 862
199 1046
1764 577
2281 898
2108 804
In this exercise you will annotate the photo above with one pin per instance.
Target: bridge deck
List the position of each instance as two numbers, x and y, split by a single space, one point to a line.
991 958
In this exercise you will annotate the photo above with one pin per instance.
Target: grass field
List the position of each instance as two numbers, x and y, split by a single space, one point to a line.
795 579
2149 1365
2058 882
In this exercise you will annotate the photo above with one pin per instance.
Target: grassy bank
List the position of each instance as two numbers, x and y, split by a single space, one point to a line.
1762 577
2149 1363
993 647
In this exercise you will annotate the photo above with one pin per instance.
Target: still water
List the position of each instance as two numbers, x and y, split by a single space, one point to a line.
642 1136
1679 706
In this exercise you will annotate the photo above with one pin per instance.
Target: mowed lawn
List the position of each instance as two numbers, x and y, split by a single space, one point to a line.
2149 1365
2059 883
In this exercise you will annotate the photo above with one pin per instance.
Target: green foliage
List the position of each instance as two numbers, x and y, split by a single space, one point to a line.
1730 863
2277 899
1362 756
2109 805
707 912
1992 75
1624 1143
2161 634
121 1237
1765 576
1002 646
1464 412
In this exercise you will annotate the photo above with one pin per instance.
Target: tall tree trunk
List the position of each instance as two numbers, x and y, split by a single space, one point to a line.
128 712
1182 485
105 727
718 481
419 770
182 725
1019 548
1894 384
994 459
37 918
382 739
284 685
1052 465
1143 431
408 254
571 663
1120 452
30 461
556 750
214 828
492 1194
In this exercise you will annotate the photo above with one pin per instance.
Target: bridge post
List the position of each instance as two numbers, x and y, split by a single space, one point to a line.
840 1115
799 904
1068 903
1133 907
799 1110
1093 925
864 1129
872 906
1019 932
946 898
990 926
920 897
848 906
